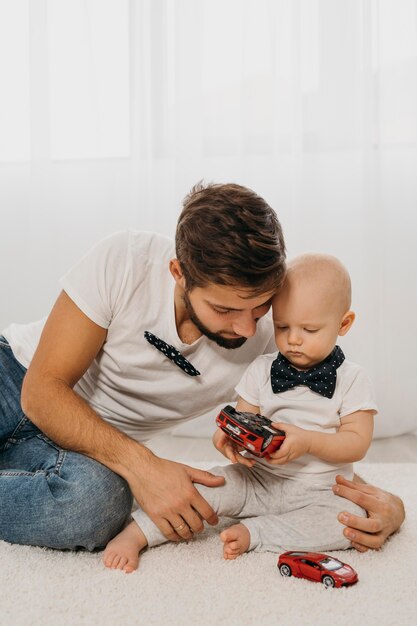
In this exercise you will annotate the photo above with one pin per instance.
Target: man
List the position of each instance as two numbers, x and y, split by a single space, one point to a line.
140 340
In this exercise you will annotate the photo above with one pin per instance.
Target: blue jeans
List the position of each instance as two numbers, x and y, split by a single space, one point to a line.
50 496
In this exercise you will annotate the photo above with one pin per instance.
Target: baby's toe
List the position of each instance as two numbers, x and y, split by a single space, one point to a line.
132 563
122 562
109 558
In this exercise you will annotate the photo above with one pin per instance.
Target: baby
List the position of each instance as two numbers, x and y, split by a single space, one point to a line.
324 404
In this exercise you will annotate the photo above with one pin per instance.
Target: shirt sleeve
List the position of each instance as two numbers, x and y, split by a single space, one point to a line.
358 394
96 281
249 386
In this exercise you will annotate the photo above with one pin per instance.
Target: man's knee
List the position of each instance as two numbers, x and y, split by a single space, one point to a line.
111 509
96 510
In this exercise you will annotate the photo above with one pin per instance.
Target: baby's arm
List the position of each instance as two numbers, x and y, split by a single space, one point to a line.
349 444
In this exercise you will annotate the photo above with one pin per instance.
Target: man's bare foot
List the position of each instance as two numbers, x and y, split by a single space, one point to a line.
236 541
122 552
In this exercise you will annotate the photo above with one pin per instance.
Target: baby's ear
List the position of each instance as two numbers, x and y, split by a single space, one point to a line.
346 323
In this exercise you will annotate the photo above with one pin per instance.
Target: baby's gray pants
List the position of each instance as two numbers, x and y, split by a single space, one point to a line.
280 513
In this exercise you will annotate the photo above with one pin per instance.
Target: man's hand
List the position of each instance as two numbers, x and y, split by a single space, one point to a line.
230 449
296 443
165 491
385 514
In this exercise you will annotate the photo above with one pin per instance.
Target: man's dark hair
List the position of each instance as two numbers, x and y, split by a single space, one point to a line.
228 235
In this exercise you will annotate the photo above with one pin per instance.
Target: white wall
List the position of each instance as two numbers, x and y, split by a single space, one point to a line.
312 104
48 223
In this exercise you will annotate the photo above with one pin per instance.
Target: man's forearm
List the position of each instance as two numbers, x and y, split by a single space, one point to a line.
68 420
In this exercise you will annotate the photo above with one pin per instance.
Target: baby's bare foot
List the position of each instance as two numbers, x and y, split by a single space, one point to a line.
122 552
236 540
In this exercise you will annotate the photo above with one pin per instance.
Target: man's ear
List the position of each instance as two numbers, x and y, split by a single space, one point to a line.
176 271
346 323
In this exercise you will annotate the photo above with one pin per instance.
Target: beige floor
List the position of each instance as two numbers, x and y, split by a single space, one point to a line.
401 449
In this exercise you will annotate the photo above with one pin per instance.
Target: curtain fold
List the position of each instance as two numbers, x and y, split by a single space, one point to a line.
122 105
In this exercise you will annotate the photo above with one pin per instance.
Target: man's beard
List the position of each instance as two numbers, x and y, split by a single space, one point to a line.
223 342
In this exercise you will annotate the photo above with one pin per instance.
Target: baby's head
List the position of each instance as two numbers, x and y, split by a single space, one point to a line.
312 309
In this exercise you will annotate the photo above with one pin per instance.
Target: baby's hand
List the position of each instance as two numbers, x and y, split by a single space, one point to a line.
296 443
230 449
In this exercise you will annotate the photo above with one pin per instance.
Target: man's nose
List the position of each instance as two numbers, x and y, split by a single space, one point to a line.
245 325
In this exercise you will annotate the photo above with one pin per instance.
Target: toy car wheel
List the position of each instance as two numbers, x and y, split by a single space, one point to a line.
328 581
285 570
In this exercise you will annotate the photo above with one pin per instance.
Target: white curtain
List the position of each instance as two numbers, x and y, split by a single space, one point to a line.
110 110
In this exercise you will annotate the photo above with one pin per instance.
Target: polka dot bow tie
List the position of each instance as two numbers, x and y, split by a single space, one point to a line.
321 378
171 353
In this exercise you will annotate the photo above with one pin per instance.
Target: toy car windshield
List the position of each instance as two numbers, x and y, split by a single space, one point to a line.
331 564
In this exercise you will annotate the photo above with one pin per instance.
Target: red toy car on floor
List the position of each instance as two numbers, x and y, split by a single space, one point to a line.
251 431
317 567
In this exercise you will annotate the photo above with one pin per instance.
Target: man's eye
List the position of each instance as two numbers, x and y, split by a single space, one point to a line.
221 312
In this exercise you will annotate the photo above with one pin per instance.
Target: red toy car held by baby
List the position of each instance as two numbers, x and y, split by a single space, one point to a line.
249 430
317 567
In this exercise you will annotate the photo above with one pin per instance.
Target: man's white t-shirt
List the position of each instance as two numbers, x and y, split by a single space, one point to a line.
124 285
310 410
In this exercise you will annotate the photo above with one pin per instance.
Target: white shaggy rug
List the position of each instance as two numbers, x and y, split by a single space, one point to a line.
190 584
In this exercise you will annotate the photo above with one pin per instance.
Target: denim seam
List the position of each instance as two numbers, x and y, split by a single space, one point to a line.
61 455
61 458
47 474
38 472
13 442
43 437
12 439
